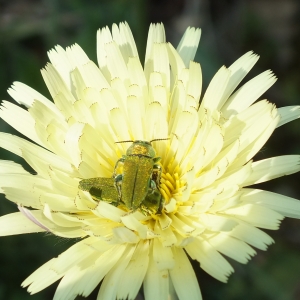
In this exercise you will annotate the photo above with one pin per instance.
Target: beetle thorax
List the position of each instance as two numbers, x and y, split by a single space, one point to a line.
141 148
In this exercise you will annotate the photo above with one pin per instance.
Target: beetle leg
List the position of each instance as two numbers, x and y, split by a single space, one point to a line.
118 185
156 174
156 159
152 186
119 161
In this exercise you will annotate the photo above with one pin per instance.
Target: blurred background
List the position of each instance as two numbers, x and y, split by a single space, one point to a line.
271 28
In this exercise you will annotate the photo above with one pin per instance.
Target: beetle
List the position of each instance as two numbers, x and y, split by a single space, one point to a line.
139 167
137 187
104 189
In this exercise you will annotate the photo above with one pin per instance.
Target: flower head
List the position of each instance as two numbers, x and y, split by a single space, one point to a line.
141 208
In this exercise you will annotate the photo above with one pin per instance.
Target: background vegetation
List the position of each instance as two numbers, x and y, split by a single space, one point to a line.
271 28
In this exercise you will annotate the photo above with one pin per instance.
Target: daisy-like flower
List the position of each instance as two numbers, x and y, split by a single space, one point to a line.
204 207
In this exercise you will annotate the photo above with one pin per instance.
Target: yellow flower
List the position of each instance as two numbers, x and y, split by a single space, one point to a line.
206 148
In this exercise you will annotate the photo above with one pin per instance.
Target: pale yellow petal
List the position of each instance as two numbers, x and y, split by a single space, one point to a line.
188 44
99 266
17 223
211 261
124 38
256 215
184 278
232 247
103 37
20 120
238 70
10 167
214 93
26 95
56 84
162 256
109 286
251 235
61 62
271 168
41 278
156 282
287 206
248 93
156 34
134 273
288 114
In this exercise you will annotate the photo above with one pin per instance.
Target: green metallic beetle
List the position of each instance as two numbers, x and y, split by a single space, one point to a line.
137 187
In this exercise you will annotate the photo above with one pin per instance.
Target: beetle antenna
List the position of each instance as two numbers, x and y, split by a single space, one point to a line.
123 142
159 140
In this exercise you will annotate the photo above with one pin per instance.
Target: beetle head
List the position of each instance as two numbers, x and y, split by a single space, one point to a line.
143 148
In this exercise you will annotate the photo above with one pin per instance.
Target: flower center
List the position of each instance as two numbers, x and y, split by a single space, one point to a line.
170 185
